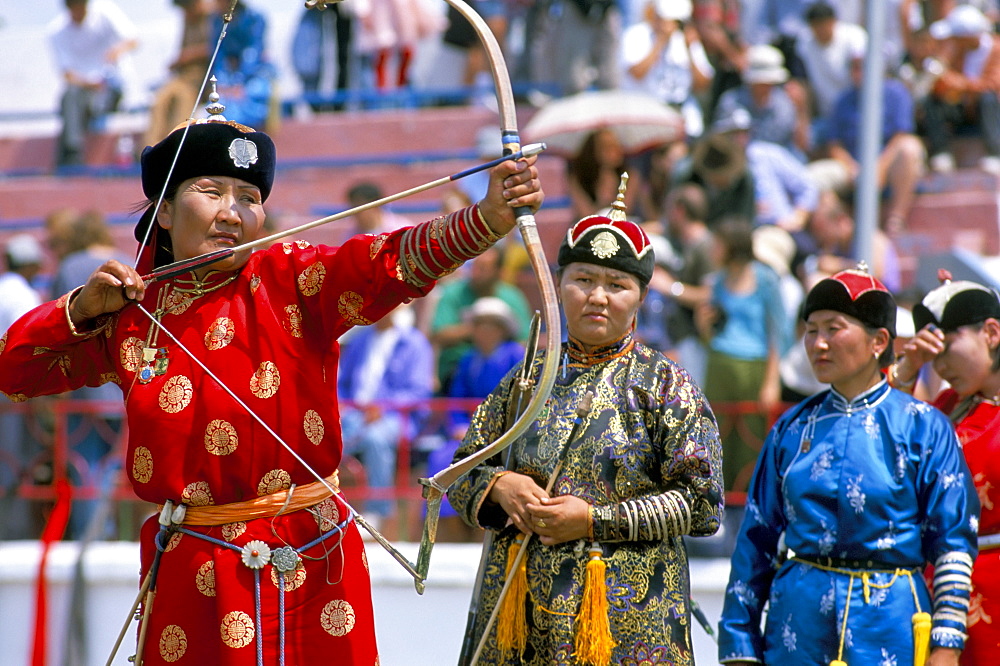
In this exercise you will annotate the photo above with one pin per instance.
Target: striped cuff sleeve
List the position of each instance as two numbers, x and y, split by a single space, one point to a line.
434 249
651 518
952 588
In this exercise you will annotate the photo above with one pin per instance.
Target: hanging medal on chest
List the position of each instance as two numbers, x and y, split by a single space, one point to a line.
147 372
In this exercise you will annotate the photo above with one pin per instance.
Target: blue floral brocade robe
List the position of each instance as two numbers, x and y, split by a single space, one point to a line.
880 480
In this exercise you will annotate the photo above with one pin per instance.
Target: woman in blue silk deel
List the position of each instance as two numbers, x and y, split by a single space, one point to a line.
867 485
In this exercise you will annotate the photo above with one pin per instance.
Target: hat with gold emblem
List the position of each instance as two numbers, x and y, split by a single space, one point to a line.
610 240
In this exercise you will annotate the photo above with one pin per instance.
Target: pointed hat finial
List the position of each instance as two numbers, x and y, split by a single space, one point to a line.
618 207
214 106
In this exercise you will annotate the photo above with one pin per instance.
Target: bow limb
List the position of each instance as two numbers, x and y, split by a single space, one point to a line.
436 486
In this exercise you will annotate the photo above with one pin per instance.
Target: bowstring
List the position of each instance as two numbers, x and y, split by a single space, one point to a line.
239 401
226 19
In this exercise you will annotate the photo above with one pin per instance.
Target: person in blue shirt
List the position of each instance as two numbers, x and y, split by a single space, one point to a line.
387 364
744 326
494 352
245 76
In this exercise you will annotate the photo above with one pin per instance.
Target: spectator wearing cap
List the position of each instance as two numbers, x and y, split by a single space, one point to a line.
450 330
864 485
718 164
664 57
784 192
966 93
825 50
958 333
23 256
902 156
777 107
495 351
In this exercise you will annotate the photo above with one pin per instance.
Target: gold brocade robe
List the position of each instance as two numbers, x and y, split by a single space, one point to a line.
650 431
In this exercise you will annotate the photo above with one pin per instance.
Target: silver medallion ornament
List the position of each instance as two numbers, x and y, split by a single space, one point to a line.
243 153
604 245
285 559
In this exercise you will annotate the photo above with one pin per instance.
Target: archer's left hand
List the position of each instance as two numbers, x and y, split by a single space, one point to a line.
512 184
560 519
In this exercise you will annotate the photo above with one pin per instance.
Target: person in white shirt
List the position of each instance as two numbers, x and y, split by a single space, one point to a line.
825 50
87 43
23 255
663 56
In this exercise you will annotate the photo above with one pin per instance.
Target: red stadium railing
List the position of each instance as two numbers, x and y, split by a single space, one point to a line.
51 430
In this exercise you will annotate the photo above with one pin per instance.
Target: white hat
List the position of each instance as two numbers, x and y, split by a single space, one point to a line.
24 250
494 308
765 64
962 21
775 247
677 10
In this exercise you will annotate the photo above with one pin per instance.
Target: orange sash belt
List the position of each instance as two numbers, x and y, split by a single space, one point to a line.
281 502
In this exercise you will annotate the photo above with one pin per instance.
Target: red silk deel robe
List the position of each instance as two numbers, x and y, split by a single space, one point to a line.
979 432
268 332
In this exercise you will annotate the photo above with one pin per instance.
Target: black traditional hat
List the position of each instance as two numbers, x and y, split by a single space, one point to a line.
856 293
610 240
212 146
955 304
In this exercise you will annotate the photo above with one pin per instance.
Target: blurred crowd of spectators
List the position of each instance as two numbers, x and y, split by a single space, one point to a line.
747 210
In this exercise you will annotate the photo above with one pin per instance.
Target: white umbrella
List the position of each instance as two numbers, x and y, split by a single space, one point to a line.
640 121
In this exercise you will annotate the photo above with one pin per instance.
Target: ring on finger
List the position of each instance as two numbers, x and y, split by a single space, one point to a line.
541 522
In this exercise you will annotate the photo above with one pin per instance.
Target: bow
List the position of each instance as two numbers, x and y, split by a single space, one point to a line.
436 486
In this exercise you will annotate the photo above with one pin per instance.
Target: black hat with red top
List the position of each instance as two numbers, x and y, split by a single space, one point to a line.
610 240
856 293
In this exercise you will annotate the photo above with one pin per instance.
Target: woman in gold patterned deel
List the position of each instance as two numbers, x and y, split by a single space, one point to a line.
605 576
229 374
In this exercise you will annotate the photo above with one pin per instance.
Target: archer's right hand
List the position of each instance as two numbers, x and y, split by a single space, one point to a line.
108 289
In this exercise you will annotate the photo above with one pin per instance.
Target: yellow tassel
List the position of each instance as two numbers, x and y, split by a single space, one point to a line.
512 627
837 662
921 638
593 628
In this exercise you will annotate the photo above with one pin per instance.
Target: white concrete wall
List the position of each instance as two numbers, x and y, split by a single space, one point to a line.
411 629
